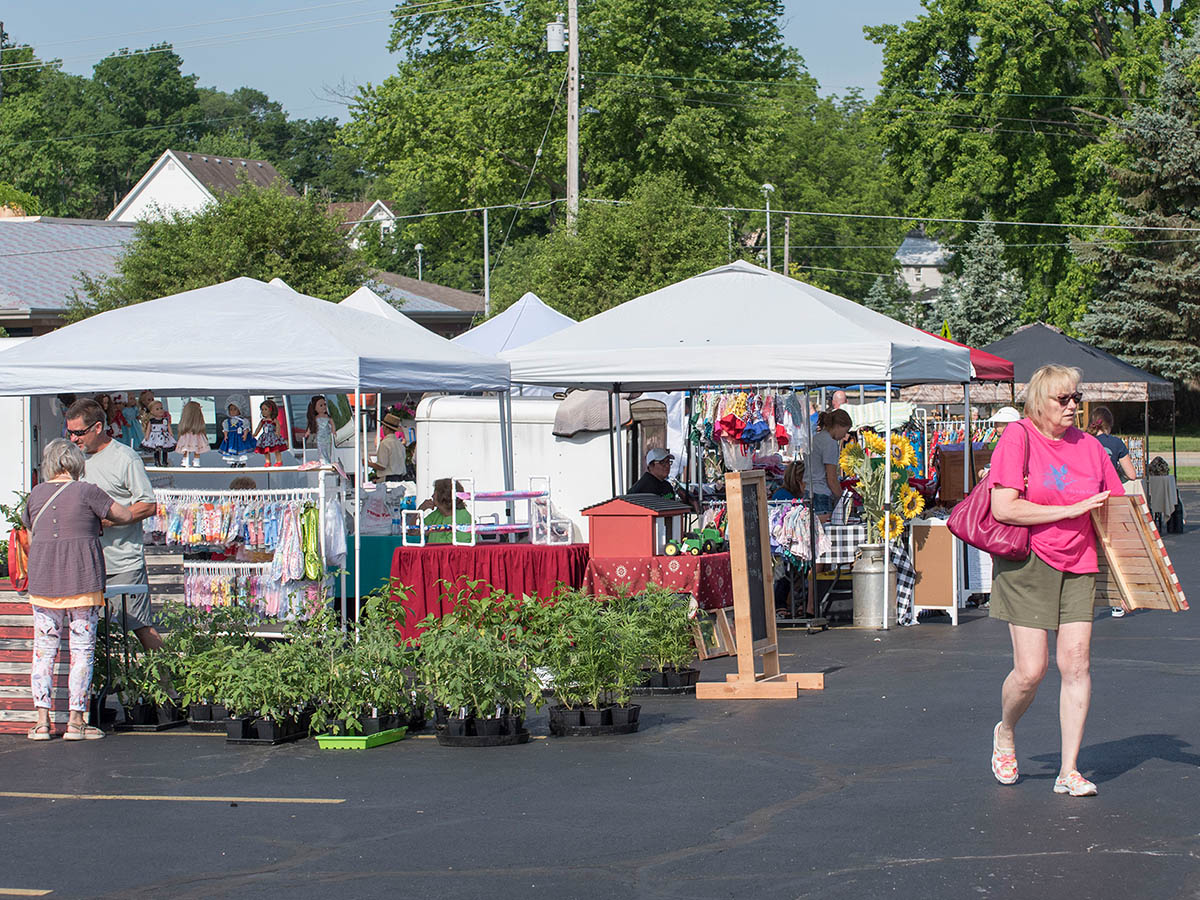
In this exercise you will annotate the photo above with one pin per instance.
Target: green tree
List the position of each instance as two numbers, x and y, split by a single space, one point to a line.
42 113
17 201
826 156
891 296
141 102
255 232
1001 105
984 302
475 113
618 251
1147 303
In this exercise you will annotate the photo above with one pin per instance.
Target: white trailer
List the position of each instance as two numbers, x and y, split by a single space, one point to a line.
460 437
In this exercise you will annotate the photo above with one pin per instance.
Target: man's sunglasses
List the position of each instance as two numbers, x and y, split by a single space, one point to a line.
1064 399
80 432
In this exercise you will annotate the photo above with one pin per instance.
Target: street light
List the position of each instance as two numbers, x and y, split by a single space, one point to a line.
768 189
419 248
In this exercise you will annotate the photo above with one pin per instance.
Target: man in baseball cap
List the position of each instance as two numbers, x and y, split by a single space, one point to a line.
658 468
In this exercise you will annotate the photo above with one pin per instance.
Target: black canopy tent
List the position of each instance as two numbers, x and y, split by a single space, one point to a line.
1106 378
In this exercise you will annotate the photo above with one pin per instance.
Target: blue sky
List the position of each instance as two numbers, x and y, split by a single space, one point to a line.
298 51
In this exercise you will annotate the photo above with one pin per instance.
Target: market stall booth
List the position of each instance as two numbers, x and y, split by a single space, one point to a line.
245 335
738 325
1106 378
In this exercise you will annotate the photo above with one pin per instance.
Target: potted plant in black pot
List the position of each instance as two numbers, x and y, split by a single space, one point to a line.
664 621
474 665
592 651
145 692
368 686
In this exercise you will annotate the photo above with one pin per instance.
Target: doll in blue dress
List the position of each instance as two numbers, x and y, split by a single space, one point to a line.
237 444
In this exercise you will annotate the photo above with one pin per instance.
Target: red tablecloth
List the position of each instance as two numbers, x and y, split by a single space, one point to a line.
514 568
706 577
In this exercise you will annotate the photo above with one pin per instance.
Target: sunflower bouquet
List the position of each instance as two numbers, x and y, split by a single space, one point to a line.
865 462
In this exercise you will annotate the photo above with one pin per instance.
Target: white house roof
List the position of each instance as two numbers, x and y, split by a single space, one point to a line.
918 249
737 324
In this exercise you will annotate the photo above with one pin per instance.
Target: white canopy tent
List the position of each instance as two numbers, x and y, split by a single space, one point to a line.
736 324
527 320
244 335
740 324
366 300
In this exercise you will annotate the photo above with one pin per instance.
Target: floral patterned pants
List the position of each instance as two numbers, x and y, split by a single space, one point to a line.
48 626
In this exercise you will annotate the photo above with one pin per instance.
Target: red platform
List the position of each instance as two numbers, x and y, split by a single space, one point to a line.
706 577
513 568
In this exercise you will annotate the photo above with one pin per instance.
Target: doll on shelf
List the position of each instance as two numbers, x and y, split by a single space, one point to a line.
320 427
157 428
193 436
237 442
269 443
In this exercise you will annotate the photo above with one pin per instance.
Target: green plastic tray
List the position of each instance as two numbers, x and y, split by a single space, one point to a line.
358 741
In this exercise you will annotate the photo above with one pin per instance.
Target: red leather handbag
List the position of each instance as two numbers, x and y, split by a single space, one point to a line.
972 521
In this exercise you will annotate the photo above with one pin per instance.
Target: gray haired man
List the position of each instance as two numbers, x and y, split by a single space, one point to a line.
118 471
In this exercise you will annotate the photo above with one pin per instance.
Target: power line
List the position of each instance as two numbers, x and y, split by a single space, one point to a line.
918 218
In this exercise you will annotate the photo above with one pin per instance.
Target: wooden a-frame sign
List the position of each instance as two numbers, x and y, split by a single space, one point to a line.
753 601
1135 571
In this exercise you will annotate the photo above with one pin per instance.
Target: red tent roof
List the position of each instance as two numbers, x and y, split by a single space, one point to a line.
984 366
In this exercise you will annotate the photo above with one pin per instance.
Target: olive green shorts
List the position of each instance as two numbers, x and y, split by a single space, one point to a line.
1034 594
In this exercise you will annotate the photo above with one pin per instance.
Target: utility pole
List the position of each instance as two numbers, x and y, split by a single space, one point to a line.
487 269
767 190
572 112
787 245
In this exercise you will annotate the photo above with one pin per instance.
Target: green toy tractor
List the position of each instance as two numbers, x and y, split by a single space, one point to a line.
706 540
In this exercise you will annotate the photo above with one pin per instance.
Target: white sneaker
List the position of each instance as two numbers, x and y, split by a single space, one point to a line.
1118 611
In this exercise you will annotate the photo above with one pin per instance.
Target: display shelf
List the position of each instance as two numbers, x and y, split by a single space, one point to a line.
221 470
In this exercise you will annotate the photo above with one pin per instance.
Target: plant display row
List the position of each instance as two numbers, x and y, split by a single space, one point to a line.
484 661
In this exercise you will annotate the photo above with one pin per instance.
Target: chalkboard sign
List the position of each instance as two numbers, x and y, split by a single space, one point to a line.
754 560
753 603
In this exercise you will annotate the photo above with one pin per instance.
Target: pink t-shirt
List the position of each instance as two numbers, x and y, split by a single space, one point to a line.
1061 472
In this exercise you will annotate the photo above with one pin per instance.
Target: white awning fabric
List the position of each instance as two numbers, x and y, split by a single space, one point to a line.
527 320
737 324
243 335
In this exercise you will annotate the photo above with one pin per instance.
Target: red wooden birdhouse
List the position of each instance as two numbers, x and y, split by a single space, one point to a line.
634 525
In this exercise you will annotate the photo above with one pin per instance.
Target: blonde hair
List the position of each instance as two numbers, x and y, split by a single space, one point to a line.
1044 380
191 420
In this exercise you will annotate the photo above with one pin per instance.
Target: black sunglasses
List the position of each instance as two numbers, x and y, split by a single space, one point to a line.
1064 399
80 432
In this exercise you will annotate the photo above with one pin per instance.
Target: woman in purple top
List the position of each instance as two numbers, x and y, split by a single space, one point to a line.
66 581
1068 476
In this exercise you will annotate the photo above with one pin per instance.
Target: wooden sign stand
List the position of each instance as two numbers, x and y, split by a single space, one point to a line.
753 602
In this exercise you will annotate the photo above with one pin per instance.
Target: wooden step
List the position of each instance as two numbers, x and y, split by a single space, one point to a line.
21 679
20 721
11 620
22 692
13 667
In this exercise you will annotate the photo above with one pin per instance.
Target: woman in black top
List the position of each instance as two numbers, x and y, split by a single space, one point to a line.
1100 424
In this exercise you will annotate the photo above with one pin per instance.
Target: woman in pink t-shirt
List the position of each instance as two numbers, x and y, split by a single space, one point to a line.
1068 475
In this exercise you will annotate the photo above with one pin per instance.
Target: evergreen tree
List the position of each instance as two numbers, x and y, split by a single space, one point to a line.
890 296
1147 304
984 302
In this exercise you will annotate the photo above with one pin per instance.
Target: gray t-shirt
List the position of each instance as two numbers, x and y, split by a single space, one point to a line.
825 450
118 471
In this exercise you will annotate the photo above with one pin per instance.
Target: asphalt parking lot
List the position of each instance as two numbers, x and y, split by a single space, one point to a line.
877 786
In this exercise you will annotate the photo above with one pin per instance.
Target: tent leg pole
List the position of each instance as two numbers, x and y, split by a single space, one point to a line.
612 445
887 502
813 600
620 448
1174 455
1146 445
358 493
966 438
